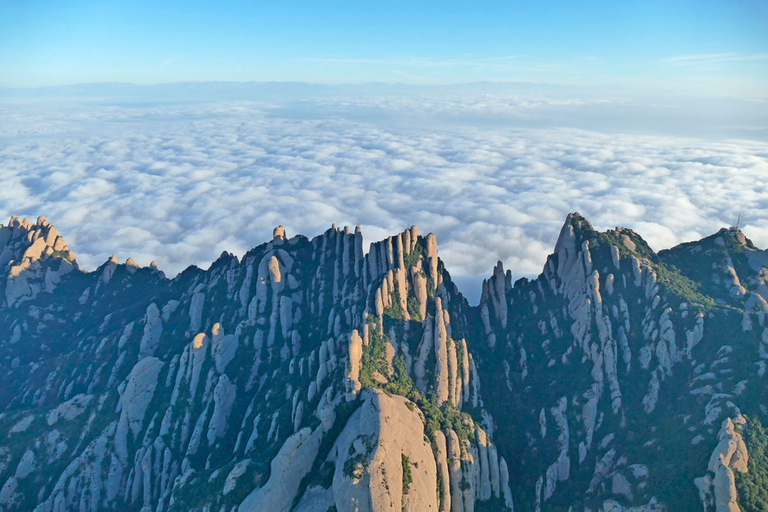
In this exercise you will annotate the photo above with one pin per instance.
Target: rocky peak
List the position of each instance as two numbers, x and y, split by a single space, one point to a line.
737 236
278 234
728 266
33 257
567 241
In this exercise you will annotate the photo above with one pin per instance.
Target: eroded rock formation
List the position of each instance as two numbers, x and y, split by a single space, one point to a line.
309 375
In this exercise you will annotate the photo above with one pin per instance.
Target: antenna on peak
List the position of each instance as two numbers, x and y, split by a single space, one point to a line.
738 223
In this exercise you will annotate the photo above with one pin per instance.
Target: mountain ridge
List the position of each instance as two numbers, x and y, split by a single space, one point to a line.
592 346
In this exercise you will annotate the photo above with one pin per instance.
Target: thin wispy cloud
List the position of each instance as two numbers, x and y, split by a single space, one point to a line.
414 60
419 70
710 58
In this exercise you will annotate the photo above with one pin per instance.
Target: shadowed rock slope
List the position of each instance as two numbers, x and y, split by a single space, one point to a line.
311 375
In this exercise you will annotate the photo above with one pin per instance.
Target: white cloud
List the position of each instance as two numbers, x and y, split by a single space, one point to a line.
182 183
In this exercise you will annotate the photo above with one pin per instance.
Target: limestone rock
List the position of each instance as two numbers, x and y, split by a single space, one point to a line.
278 234
153 330
728 456
223 347
69 410
372 449
36 256
584 348
431 257
223 398
134 401
441 354
355 358
443 472
288 469
454 468
26 465
237 472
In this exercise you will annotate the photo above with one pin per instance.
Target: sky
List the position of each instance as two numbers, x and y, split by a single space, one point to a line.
714 48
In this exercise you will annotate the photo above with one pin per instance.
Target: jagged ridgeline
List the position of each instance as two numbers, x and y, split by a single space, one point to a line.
312 376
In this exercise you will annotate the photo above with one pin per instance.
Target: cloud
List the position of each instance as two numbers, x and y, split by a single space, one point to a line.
706 58
181 183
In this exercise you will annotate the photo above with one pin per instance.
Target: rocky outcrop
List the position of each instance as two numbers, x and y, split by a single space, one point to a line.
374 451
135 400
443 473
441 354
455 473
355 360
33 257
717 489
69 410
288 469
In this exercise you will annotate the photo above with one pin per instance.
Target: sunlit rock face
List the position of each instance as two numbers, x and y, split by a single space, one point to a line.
313 375
34 258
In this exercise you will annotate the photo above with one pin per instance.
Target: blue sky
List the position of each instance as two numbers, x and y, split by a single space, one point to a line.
716 48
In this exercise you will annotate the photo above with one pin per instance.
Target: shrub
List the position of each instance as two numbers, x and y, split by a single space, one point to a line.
407 475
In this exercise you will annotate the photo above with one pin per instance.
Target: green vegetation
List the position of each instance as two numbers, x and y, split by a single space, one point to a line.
373 360
582 228
61 254
674 281
442 492
407 475
354 467
752 487
400 383
443 417
412 258
413 309
459 353
394 310
616 238
705 261
492 505
357 464
670 276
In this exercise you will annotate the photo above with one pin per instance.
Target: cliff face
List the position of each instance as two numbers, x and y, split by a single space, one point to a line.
311 375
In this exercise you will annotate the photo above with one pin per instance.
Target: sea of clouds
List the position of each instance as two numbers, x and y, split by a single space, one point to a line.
181 182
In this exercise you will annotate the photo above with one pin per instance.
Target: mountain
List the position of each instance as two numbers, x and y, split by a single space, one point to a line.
311 375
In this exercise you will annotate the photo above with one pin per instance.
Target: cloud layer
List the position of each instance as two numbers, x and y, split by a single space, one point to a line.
182 183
